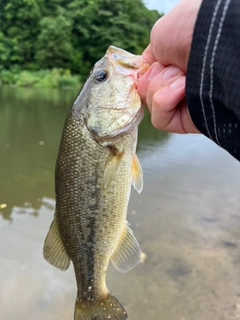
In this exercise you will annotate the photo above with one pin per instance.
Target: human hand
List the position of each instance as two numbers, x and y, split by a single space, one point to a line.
162 87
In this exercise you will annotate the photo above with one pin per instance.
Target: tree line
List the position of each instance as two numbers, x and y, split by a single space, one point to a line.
69 34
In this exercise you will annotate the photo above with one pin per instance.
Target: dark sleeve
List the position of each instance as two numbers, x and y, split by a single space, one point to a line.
213 75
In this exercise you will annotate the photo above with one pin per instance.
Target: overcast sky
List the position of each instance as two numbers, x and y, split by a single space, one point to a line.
160 5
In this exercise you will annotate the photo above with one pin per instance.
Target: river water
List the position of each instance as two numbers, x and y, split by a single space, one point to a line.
187 220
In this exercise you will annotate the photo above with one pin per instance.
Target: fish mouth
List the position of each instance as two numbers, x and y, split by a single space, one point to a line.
127 63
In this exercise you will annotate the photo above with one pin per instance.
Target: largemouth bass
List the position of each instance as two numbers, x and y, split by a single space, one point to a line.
95 167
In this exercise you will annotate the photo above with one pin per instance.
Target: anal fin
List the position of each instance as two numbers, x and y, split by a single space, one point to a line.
128 252
53 250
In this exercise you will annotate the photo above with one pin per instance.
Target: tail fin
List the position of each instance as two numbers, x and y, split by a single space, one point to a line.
108 309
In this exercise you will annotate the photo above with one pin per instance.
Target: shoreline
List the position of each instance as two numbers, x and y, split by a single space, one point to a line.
49 78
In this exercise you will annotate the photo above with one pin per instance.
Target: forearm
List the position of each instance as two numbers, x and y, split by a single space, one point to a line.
213 75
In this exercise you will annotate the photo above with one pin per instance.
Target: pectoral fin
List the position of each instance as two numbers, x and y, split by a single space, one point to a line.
54 251
128 252
137 174
111 167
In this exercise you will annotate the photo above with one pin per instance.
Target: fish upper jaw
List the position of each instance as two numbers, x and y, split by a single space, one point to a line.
127 63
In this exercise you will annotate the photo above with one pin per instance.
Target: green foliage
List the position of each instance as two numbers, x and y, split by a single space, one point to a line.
54 78
98 24
20 26
10 52
67 80
68 34
53 43
8 77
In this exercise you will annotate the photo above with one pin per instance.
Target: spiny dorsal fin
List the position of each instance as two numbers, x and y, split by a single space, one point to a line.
128 252
53 250
137 174
112 164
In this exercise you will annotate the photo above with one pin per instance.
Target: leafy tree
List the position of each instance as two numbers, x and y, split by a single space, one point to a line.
53 46
20 24
99 23
70 34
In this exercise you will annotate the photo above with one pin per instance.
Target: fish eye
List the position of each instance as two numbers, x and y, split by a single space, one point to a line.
100 75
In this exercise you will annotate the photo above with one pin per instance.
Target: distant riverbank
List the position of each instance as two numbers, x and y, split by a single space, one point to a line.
55 78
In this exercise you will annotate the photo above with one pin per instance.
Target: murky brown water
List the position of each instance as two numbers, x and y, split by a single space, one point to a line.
187 221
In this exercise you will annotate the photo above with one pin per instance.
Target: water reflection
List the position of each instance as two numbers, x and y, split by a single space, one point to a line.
30 125
187 221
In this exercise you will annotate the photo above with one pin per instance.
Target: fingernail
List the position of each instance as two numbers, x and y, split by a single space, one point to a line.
155 70
171 72
178 83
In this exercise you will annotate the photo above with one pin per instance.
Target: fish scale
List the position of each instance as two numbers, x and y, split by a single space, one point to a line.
81 184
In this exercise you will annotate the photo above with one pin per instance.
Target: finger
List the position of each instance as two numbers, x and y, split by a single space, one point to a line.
161 80
160 42
164 112
144 81
148 55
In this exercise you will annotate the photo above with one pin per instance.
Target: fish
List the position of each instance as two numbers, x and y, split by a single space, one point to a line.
95 167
